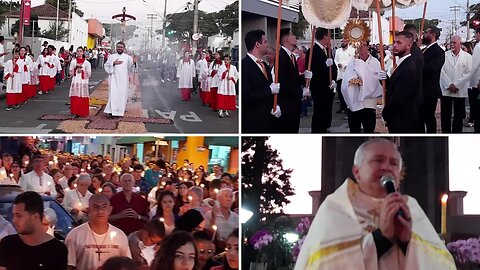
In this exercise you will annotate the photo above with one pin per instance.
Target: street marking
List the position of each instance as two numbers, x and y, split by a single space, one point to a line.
167 115
192 117
41 126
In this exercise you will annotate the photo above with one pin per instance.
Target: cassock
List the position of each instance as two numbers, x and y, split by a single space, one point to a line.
79 95
47 72
117 83
361 100
341 237
322 95
14 83
226 90
214 82
401 107
290 95
257 98
185 74
24 64
433 60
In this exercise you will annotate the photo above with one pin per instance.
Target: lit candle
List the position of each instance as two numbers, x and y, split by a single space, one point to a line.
443 230
216 190
49 183
214 227
113 234
103 174
80 204
162 219
190 198
68 163
11 175
26 163
74 185
77 175
82 170
50 163
202 185
100 190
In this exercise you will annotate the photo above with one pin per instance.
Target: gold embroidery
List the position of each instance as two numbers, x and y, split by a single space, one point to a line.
439 253
326 251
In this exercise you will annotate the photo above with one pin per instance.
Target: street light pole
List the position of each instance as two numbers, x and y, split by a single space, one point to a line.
164 23
151 17
69 21
195 24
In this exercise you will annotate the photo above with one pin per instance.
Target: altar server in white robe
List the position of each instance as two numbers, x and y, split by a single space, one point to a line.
359 227
117 68
185 74
14 82
360 89
226 91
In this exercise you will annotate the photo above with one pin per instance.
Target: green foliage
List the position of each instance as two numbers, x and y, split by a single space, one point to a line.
418 23
298 29
6 7
209 24
50 32
64 4
274 186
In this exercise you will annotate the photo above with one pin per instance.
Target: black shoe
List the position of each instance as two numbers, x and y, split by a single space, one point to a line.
110 116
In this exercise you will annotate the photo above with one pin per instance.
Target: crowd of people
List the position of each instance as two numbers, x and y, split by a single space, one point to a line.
150 216
209 74
419 72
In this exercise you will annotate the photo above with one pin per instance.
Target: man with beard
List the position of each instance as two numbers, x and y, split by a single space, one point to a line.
401 107
258 89
433 60
417 57
117 67
32 247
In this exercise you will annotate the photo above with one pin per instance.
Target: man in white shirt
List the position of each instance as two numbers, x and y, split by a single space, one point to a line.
454 82
76 200
92 243
222 217
37 180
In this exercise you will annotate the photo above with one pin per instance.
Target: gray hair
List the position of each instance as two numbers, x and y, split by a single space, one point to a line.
50 216
360 153
126 175
223 190
197 190
83 177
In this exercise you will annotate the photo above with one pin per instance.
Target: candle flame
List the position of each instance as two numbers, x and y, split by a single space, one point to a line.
113 234
77 175
82 170
26 162
216 190
103 174
202 185
74 185
190 198
80 204
444 198
11 175
50 162
68 163
214 227
49 183
162 219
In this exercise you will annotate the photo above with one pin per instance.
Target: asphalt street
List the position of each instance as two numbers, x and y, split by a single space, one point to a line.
159 99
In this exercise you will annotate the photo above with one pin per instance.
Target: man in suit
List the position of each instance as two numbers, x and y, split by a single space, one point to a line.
401 106
290 98
433 59
454 83
417 57
322 88
257 88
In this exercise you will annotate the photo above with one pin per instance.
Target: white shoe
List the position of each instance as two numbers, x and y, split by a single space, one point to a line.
227 114
40 92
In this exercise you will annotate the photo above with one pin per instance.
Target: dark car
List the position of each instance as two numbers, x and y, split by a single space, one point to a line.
65 222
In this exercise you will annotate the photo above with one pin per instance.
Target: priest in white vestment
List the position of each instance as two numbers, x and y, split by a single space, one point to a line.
359 226
117 68
361 88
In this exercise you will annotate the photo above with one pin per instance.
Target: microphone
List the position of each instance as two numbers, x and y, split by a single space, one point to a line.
388 182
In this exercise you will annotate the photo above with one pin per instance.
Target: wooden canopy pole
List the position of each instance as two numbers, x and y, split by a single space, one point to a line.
422 25
310 56
277 49
382 53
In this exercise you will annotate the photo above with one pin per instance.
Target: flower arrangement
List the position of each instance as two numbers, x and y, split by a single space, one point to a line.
465 252
261 239
302 229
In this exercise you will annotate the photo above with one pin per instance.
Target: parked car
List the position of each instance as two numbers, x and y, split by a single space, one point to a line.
65 222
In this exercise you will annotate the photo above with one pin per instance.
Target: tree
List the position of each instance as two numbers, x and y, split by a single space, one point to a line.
64 5
227 19
298 29
418 23
266 184
6 7
50 32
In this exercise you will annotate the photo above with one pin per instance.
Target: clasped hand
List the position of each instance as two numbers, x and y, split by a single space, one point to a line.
395 227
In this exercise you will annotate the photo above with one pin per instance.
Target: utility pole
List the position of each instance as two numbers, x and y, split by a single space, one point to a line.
56 24
151 17
468 20
455 9
195 24
164 24
69 21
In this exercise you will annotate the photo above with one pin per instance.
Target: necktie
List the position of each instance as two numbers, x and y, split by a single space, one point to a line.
292 57
325 51
264 70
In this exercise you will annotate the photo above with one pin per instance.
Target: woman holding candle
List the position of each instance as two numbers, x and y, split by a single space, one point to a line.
164 211
152 195
76 200
182 198
108 189
97 182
